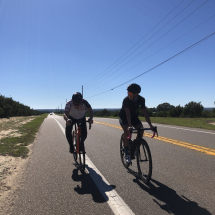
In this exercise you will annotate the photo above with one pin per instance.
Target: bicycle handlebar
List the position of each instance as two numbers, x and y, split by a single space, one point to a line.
142 129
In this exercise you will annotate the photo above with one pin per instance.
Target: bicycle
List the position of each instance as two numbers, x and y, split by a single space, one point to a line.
79 149
139 148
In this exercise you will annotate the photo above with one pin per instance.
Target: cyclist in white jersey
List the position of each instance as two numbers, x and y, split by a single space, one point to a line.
75 110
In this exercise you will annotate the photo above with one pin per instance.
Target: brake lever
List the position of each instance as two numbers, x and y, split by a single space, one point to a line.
130 132
155 131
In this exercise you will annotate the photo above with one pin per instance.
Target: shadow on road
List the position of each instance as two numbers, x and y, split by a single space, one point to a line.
172 203
89 187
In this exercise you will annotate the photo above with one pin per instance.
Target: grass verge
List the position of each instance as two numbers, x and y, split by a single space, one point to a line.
16 146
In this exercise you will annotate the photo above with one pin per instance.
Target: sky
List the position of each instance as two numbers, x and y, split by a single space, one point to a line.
49 49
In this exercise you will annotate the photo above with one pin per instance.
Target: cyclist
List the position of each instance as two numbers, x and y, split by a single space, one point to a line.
128 116
75 110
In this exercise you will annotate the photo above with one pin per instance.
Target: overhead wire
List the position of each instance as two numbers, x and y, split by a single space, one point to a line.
174 56
134 44
153 42
144 43
157 51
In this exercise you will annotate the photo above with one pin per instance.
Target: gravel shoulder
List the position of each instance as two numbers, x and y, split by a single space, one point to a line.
12 169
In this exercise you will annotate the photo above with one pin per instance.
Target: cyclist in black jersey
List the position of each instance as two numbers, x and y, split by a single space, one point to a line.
128 116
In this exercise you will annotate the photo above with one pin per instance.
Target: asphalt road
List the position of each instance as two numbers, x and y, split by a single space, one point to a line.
183 179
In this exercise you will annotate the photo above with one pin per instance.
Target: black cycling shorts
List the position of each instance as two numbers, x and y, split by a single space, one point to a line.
134 121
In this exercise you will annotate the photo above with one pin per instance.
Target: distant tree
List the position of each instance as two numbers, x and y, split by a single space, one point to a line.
162 114
105 112
193 109
176 111
164 107
1 111
213 113
206 114
9 108
115 113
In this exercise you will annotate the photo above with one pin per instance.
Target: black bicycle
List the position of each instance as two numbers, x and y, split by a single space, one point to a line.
79 149
139 148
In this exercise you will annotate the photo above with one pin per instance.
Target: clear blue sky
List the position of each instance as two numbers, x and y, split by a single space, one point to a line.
50 48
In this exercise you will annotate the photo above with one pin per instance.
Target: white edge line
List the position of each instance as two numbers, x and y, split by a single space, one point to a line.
183 128
113 199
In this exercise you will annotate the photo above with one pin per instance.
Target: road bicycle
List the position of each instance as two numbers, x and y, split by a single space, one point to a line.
139 148
79 149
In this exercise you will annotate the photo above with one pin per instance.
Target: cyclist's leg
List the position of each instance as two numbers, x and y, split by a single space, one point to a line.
124 125
83 129
69 137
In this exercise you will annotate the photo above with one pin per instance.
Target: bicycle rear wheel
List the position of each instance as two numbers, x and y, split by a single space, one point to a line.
122 152
81 155
74 144
144 161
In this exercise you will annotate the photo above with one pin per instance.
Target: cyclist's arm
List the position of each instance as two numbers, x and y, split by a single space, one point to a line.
66 115
128 115
147 118
90 111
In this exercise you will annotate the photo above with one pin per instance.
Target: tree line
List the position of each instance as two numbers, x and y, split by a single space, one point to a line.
190 110
11 108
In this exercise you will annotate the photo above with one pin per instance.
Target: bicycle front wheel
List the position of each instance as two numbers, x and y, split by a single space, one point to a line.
144 161
81 155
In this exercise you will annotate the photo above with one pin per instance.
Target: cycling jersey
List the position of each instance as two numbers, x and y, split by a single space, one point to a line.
77 113
132 105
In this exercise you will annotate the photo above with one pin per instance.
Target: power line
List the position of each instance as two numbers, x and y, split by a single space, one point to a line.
155 41
134 45
156 52
174 56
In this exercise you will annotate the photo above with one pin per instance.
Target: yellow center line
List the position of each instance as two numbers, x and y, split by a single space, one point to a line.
172 141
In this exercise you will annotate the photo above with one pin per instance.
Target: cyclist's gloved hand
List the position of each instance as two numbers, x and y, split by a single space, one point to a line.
130 128
68 122
153 128
90 121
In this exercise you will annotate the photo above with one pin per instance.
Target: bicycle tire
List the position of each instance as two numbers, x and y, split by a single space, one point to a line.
144 161
122 153
74 145
81 155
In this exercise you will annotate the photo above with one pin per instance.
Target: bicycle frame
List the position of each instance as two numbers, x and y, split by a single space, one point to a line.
78 132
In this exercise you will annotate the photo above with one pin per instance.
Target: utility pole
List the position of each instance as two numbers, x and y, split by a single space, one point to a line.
82 92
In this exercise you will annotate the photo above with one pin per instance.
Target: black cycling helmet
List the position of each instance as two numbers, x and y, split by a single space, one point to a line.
134 88
77 97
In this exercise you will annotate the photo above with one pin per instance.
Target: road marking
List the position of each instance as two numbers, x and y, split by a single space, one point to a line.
113 199
186 129
172 141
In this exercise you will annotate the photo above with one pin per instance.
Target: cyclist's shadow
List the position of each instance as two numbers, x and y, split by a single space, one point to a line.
171 201
89 187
